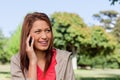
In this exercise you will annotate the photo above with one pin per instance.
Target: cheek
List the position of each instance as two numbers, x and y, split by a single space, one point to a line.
50 36
51 39
33 35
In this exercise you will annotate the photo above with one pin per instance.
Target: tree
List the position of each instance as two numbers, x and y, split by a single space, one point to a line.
114 1
116 30
72 34
107 18
67 32
3 40
99 43
67 29
97 48
12 46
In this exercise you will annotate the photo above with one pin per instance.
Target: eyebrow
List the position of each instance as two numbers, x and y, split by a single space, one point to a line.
41 29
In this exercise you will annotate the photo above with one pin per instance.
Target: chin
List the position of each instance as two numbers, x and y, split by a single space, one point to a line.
42 48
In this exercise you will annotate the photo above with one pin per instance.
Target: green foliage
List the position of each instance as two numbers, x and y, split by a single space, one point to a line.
101 38
100 61
66 28
3 40
99 47
91 43
115 57
12 46
95 62
106 18
84 60
116 30
100 43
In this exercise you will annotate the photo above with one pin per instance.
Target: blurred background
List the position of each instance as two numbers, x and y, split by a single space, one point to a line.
88 29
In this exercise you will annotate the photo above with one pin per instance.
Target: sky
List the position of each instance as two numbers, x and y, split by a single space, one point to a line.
12 12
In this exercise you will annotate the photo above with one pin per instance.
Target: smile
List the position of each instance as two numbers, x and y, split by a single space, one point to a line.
43 43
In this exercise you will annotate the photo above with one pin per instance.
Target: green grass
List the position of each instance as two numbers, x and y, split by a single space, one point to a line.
81 74
99 78
5 72
97 74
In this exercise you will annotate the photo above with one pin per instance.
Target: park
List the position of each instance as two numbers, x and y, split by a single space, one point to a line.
95 48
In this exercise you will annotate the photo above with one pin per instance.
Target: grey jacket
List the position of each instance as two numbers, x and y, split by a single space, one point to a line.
63 68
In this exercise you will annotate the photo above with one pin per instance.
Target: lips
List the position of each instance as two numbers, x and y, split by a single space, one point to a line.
43 43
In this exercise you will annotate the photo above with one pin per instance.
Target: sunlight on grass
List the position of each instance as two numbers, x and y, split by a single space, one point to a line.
4 76
98 73
5 72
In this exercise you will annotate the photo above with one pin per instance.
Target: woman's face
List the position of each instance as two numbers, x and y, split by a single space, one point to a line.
42 35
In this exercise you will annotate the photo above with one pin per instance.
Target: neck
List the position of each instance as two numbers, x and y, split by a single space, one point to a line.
41 60
40 54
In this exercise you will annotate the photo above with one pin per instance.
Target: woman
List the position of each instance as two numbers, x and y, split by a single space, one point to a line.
37 59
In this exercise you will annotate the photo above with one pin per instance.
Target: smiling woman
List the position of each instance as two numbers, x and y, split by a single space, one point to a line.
37 59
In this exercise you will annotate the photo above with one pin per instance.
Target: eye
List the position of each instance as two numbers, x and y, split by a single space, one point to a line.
37 31
48 30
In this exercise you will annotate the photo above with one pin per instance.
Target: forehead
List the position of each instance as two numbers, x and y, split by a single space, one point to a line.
40 24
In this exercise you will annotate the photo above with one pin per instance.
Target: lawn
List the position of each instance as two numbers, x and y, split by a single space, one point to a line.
5 72
98 74
81 74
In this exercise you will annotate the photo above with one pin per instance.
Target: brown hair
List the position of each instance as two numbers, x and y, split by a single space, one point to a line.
29 19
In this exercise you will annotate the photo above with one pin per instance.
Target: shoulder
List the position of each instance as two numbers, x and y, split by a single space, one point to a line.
15 69
63 51
62 54
15 60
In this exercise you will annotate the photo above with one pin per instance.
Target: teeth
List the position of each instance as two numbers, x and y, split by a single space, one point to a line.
43 42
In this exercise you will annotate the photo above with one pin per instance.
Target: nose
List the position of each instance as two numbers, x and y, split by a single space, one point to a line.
43 35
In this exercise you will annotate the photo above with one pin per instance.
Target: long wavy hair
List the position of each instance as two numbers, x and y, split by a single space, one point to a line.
29 19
